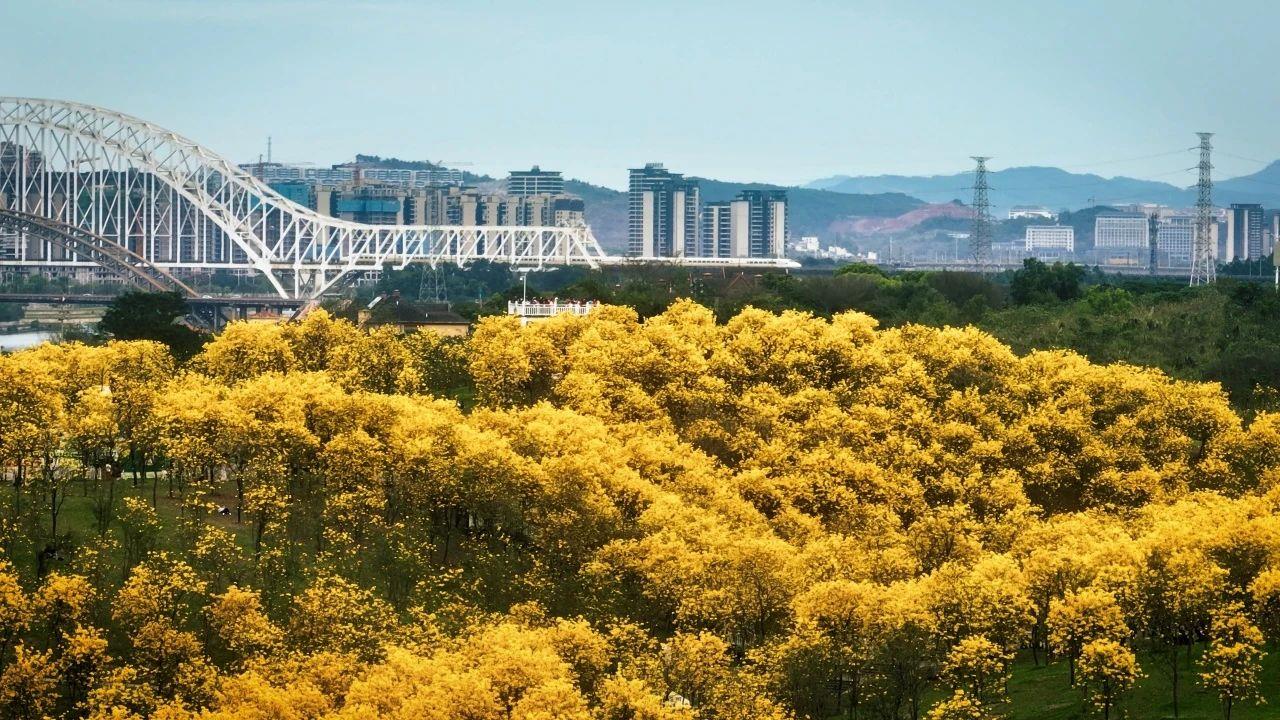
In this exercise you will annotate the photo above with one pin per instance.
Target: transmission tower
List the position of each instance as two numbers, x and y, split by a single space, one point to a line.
433 287
1203 270
980 238
1153 233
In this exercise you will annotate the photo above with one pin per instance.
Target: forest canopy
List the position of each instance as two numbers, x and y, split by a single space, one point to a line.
778 516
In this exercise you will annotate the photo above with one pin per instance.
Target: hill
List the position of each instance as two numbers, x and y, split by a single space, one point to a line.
606 211
812 211
1260 187
935 215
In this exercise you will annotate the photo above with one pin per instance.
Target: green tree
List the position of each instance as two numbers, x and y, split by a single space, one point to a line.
140 315
1037 282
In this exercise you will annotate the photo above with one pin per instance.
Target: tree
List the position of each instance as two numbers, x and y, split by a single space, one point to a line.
960 706
1037 282
1177 590
137 315
1082 617
242 631
337 615
1264 591
1107 670
979 667
844 613
28 685
1233 662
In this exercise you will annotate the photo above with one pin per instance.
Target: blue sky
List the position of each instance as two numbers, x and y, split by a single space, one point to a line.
783 91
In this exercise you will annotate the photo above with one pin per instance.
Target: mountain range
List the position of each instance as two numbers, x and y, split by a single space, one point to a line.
1056 188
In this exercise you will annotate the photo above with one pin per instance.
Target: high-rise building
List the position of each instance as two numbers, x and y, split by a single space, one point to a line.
753 224
767 222
368 204
662 213
535 182
1244 232
385 204
1040 238
568 211
1114 230
717 230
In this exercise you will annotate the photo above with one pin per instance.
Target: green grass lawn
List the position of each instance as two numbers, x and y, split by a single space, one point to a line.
76 523
1041 693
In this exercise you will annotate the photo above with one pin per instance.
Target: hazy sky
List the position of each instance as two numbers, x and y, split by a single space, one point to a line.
782 91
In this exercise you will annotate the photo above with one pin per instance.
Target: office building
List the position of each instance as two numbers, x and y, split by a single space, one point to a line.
1175 237
1050 238
1120 230
662 213
1031 212
1244 232
297 191
537 181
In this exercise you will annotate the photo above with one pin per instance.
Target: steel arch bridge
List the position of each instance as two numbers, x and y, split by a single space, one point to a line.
169 203
78 242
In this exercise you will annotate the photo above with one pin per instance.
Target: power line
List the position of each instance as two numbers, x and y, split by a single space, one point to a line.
1121 161
1246 159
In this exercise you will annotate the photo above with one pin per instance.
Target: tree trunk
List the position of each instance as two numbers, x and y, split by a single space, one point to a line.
53 514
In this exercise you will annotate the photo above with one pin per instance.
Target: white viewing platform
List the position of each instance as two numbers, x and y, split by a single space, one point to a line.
534 310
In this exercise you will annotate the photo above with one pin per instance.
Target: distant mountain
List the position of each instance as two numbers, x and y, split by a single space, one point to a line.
1048 186
1059 189
812 212
945 216
606 211
1260 187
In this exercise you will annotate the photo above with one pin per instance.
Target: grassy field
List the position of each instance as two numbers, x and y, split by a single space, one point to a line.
1041 693
76 523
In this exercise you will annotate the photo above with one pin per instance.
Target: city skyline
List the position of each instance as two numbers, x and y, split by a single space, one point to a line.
802 92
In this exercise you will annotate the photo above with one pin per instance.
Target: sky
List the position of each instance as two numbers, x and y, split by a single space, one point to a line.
785 91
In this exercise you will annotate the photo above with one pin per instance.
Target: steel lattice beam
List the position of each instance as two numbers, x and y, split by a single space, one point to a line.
130 266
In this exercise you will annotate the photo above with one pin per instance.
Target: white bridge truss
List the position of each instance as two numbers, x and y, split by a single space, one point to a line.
178 205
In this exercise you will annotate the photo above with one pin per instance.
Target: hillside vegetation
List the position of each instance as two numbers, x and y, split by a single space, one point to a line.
810 212
603 518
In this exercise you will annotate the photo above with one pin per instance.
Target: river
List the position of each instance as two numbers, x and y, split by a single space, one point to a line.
21 340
